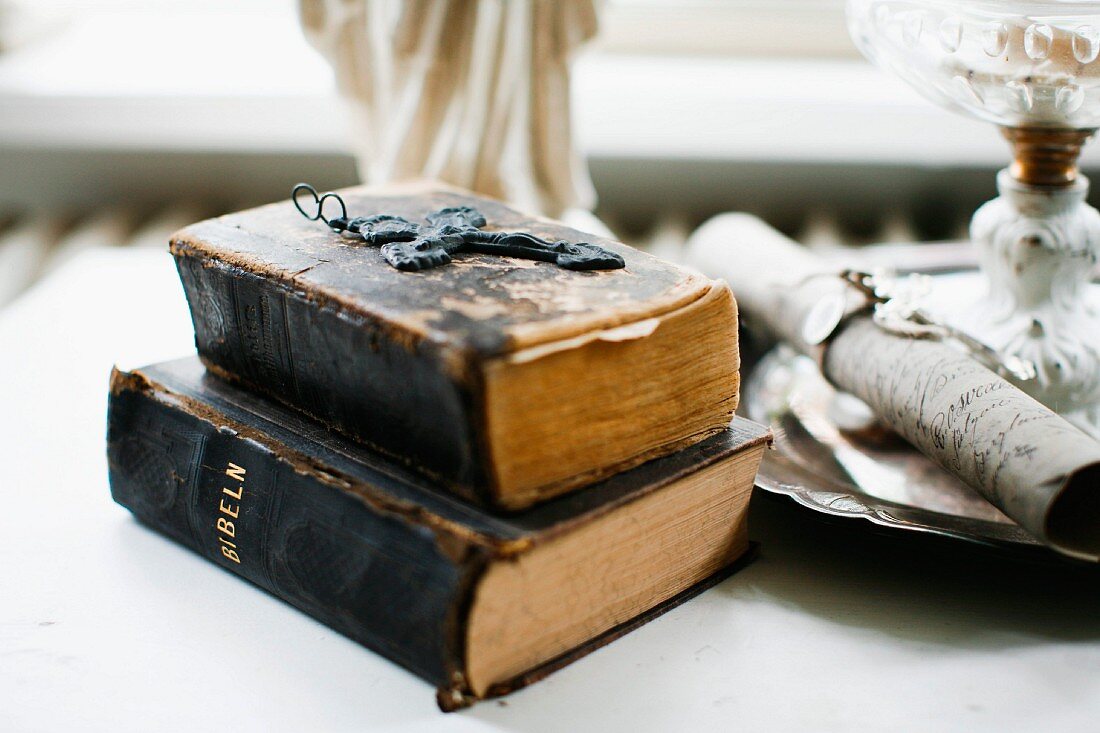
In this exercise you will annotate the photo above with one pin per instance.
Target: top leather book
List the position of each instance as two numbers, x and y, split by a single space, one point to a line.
507 380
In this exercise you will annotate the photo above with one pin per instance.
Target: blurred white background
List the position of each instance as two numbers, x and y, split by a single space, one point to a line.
123 119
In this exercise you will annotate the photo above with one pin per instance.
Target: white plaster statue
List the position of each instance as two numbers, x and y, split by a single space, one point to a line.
470 92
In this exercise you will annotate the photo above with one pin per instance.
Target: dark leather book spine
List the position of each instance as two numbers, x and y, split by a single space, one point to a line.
379 579
393 393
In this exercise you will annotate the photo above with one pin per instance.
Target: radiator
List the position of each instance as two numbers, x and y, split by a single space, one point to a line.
32 245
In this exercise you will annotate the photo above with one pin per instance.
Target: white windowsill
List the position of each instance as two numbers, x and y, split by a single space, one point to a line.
251 83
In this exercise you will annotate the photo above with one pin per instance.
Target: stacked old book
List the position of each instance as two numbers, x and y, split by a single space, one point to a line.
481 470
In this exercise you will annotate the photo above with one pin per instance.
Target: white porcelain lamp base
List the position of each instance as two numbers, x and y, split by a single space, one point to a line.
1038 246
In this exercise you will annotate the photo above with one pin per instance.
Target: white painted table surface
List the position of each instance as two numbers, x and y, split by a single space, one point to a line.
107 626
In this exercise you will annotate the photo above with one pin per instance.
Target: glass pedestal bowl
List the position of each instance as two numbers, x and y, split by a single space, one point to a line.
1032 69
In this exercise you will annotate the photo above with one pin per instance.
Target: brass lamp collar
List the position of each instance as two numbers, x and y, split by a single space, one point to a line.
1044 156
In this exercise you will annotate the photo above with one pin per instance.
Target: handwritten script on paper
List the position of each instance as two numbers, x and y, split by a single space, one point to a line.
1013 450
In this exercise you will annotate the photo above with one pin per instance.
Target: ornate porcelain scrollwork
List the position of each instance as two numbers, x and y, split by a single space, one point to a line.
1038 248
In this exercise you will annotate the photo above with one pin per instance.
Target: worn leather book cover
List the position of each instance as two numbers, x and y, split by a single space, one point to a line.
507 380
432 582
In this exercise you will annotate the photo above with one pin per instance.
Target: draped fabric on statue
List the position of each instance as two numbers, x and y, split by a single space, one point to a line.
471 92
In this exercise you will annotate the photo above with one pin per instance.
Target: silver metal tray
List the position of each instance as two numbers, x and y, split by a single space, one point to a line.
865 472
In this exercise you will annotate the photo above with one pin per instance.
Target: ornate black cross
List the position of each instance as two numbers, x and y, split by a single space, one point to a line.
410 246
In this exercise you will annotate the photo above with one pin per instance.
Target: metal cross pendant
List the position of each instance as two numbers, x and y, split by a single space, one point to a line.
411 247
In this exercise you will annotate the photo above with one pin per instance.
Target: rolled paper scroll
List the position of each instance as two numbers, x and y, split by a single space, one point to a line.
1025 459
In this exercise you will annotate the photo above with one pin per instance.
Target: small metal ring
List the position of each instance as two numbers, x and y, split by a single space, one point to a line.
321 207
298 204
319 202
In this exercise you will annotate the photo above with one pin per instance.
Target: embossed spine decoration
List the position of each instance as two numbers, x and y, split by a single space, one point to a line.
297 533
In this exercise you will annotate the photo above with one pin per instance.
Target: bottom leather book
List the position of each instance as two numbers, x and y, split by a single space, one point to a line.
475 603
